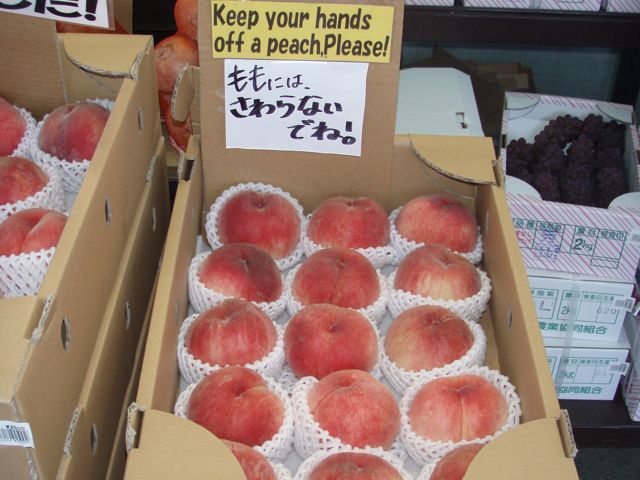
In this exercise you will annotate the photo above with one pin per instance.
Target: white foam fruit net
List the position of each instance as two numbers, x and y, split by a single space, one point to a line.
192 369
202 298
72 172
211 221
279 446
52 196
307 467
401 379
282 473
22 274
424 451
470 308
374 312
378 256
22 149
403 246
309 436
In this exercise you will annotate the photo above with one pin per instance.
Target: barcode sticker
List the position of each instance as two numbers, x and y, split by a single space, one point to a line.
620 368
625 304
16 434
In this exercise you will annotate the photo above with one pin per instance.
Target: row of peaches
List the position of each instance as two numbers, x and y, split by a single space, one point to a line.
315 378
42 164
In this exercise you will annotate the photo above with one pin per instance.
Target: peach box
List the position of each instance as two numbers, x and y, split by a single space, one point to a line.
622 6
392 170
575 5
54 343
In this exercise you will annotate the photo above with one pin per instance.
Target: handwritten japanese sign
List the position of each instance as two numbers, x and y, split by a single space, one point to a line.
95 13
301 31
295 106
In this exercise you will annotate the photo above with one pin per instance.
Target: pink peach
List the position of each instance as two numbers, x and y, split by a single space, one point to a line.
454 464
254 465
267 220
12 128
234 332
236 404
354 466
172 54
435 271
356 408
185 13
455 408
438 219
20 179
72 132
242 270
339 276
349 222
321 339
31 230
427 337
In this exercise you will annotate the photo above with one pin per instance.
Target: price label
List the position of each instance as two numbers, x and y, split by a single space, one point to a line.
16 434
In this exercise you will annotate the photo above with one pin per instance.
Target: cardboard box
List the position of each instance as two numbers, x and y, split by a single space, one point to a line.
587 370
575 5
92 433
555 237
515 347
581 310
631 386
392 171
622 6
47 340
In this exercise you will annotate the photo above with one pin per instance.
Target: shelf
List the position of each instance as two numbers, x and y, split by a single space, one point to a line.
602 423
525 27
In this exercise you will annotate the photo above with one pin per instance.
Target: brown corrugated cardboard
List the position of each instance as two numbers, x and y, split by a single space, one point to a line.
52 335
515 345
162 445
90 438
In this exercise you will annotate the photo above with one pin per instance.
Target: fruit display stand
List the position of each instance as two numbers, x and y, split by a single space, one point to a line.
48 339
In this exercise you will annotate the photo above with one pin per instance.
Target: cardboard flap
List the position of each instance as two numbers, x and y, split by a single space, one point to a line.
185 92
530 451
474 158
118 54
31 73
161 456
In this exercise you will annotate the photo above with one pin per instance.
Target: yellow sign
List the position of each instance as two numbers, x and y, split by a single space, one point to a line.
301 31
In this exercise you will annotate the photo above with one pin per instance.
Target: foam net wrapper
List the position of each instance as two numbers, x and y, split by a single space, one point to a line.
309 436
22 274
279 446
378 256
470 308
282 473
202 298
22 150
193 369
72 172
52 196
211 221
288 379
403 246
307 467
401 379
424 451
373 312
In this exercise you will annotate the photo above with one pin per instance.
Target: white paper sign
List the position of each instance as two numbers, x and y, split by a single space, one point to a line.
94 13
295 106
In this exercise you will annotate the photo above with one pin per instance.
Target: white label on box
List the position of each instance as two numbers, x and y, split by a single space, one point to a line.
619 368
295 106
94 13
16 434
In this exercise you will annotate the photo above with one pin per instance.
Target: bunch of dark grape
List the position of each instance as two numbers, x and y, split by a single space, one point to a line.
573 161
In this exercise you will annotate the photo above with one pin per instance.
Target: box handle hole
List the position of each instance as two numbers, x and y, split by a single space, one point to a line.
127 315
140 119
65 333
107 211
154 219
94 438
